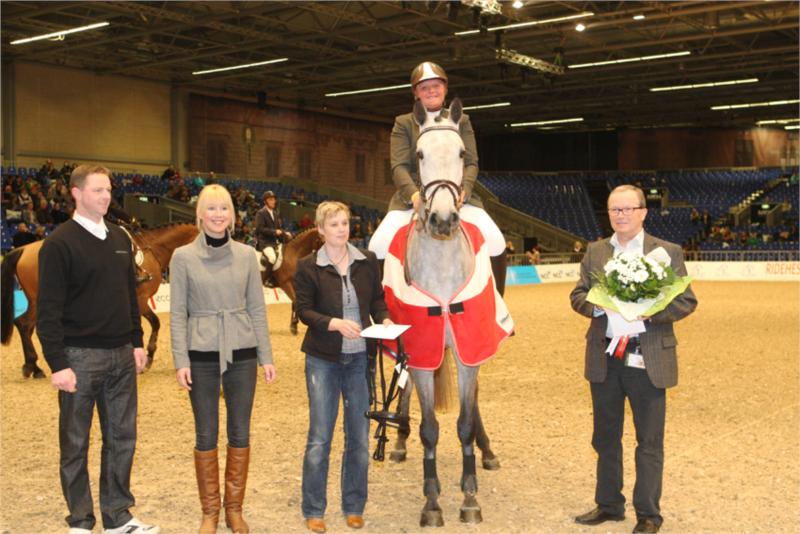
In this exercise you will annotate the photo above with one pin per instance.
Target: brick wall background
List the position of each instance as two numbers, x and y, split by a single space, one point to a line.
218 142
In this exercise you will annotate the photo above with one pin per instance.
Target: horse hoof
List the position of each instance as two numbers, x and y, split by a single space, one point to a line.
149 363
471 515
293 330
38 373
490 464
397 456
431 518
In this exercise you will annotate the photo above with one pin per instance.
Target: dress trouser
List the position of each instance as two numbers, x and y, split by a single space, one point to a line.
106 377
648 404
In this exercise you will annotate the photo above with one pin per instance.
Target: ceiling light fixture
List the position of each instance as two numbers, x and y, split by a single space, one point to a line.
579 27
792 127
704 85
60 34
546 123
638 17
755 104
776 121
518 25
372 90
629 60
237 67
517 4
487 106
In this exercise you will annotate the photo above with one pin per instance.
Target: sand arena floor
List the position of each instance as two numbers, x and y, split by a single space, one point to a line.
732 439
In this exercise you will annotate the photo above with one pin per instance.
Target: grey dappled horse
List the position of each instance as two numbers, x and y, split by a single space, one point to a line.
438 236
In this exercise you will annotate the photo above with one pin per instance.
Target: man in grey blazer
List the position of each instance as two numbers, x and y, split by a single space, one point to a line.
642 378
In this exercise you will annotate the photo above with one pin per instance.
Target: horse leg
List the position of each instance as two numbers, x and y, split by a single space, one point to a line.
404 430
26 324
467 386
155 326
489 461
429 433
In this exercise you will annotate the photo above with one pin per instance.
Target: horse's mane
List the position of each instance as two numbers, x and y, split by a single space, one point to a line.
300 239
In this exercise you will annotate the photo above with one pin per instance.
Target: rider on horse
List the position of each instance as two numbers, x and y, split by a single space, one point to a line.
270 235
429 85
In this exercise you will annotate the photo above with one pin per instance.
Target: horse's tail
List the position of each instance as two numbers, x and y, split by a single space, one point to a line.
7 272
443 385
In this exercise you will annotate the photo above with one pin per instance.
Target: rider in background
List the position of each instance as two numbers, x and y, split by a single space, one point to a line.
270 232
429 85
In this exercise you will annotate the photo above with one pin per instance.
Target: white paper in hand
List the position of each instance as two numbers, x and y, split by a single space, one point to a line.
379 331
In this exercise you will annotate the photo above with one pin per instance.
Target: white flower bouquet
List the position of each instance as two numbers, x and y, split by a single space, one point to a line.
637 286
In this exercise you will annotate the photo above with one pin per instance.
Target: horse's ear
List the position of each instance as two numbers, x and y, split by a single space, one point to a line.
419 113
456 110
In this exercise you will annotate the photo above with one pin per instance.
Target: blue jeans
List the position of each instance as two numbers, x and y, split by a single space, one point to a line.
239 385
326 381
105 378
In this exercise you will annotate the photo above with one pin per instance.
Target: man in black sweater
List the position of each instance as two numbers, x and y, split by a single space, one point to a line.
91 335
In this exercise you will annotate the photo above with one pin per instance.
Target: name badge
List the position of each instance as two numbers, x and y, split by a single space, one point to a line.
635 360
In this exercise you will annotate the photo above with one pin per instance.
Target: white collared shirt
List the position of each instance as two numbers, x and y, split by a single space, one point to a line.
100 231
634 246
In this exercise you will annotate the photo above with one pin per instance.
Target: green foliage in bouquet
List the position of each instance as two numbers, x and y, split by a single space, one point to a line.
633 277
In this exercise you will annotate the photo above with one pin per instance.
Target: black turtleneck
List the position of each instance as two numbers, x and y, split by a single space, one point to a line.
216 241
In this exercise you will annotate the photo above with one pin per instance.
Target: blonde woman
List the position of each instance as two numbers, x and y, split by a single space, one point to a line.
219 337
339 292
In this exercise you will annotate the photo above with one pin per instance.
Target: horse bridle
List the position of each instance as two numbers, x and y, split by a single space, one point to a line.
429 190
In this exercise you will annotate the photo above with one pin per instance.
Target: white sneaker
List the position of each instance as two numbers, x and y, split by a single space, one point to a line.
134 526
76 530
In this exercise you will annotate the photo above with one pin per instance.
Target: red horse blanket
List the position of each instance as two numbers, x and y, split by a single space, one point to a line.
477 316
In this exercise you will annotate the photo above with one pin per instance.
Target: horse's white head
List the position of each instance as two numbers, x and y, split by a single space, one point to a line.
440 161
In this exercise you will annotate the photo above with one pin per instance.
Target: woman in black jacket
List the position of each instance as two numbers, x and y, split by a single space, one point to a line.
338 293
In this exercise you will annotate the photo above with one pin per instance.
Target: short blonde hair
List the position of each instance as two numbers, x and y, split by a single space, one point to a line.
328 209
211 193
629 187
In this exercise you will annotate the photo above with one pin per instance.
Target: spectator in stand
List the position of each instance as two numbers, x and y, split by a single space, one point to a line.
534 255
168 173
40 233
577 252
183 194
43 215
305 222
29 214
44 172
752 239
510 247
356 233
9 198
706 220
23 236
24 197
137 180
61 212
694 216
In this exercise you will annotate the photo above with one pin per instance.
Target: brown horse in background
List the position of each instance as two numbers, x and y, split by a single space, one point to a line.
302 245
156 245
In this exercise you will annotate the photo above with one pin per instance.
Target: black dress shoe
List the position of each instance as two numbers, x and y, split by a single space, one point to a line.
646 525
597 516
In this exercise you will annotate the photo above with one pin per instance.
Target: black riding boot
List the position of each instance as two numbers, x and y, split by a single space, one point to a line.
499 271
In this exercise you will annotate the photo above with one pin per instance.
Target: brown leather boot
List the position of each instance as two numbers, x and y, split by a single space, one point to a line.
206 465
236 467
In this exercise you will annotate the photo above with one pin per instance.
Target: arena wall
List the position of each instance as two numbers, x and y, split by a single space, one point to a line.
234 137
76 115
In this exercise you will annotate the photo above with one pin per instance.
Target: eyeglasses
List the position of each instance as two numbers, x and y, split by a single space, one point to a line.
623 211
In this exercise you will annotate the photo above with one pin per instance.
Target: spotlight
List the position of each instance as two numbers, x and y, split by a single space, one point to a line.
579 27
